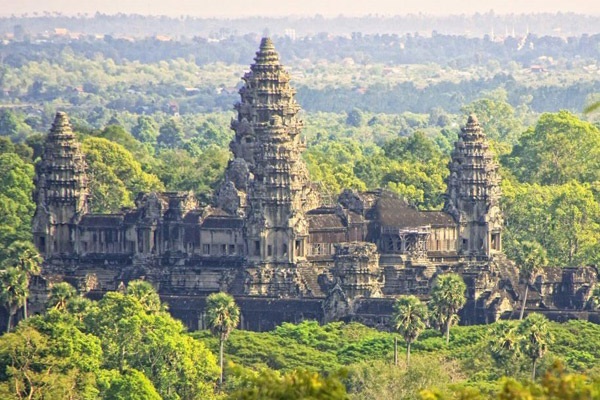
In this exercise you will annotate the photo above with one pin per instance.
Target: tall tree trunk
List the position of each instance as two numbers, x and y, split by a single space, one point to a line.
533 370
221 362
395 350
407 355
448 330
25 309
524 302
8 322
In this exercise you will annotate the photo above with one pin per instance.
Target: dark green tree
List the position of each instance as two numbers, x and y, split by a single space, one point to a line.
13 291
222 316
171 135
531 259
409 320
447 298
536 338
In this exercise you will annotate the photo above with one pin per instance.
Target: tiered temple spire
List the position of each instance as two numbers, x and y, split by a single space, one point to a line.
473 194
61 188
267 182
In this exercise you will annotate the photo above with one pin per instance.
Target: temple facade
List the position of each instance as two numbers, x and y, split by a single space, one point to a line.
268 239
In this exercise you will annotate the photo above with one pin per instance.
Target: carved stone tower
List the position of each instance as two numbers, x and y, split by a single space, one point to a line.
267 182
473 193
61 192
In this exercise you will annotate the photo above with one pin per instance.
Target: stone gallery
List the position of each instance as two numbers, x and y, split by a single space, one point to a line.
272 242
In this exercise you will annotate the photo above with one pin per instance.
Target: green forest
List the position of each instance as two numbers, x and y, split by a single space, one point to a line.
374 118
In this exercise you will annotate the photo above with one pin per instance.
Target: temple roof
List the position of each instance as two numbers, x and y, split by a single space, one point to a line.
393 211
222 222
102 220
324 218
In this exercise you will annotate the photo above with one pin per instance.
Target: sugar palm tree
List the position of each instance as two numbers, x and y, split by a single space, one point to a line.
447 298
409 318
536 337
30 262
531 259
222 315
504 341
13 291
146 294
60 294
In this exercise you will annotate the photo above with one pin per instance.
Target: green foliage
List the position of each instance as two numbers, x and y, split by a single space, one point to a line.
171 135
16 207
355 118
269 385
153 343
409 319
49 358
116 176
131 384
145 293
14 289
447 298
563 219
496 117
560 148
536 338
60 295
222 314
200 172
122 346
380 380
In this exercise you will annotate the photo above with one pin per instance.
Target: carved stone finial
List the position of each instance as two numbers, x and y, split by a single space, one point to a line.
266 55
61 127
266 44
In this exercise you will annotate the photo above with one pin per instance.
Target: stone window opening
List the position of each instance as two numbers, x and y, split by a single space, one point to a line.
257 247
284 250
298 248
496 241
231 249
206 249
269 251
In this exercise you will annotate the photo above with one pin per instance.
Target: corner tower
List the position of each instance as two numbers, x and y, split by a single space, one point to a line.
473 194
61 192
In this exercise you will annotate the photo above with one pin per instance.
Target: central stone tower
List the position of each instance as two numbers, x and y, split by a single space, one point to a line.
267 182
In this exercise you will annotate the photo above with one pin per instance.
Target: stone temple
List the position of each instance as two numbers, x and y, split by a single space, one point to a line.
270 241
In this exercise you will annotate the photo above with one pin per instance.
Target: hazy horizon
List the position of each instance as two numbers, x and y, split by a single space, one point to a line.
268 8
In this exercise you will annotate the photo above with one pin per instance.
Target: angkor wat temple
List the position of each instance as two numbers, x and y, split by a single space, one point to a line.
272 242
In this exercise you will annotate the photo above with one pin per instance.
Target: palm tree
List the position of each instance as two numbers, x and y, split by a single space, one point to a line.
409 319
504 340
531 259
13 291
222 315
60 294
146 294
447 298
30 262
536 337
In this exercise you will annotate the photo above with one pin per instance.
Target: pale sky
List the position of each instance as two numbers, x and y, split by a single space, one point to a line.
270 8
